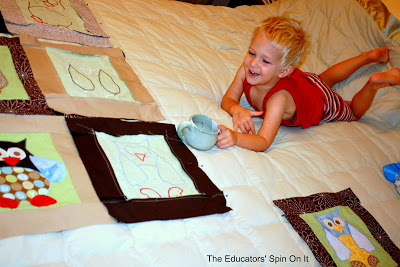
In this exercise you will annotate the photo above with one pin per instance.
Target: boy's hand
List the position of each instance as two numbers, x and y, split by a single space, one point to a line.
242 118
226 138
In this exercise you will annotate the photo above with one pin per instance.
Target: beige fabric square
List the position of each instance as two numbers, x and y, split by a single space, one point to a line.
141 107
51 219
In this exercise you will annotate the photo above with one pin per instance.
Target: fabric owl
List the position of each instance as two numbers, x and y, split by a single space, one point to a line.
26 179
348 242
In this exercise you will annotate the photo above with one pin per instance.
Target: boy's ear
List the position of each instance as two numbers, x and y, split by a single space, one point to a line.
286 71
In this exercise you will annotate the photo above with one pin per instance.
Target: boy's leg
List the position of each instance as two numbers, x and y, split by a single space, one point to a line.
344 69
362 101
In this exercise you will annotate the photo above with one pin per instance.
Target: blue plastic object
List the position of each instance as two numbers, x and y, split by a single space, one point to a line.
391 171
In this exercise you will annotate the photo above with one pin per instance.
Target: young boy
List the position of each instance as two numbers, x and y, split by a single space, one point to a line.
283 94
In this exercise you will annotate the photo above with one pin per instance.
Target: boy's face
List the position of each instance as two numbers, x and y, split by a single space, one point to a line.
262 62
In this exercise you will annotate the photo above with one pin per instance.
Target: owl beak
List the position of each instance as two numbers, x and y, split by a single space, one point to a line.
11 160
338 228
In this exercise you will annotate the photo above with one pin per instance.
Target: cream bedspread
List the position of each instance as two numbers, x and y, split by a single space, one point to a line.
186 56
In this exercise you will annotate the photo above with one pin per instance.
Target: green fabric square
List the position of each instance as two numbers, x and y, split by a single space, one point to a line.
89 75
41 145
145 167
53 13
346 237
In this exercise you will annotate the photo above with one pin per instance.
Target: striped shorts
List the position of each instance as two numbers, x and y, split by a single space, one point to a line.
335 108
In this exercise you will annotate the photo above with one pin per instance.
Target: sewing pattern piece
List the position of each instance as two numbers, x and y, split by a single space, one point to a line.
145 166
21 95
57 13
28 180
11 87
339 231
89 75
142 171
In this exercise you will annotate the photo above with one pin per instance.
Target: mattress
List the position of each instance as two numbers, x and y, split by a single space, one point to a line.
186 56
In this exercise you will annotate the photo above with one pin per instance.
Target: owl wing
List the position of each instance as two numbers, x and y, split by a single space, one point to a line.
341 250
361 240
53 170
168 173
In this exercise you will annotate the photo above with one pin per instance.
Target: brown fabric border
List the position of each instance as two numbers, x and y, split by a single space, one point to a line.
37 103
210 201
293 207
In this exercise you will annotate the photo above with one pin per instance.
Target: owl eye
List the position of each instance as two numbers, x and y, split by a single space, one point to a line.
328 223
16 152
338 221
3 154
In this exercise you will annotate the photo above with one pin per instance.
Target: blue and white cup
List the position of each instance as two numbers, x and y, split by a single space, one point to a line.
200 132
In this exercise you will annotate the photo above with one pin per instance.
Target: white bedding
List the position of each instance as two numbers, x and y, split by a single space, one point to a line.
187 55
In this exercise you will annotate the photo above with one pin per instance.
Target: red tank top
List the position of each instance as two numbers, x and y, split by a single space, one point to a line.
308 98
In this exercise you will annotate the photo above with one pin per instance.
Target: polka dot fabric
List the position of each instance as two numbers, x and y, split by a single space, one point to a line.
22 184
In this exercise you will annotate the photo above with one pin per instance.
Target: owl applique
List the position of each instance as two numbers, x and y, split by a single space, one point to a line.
348 242
26 179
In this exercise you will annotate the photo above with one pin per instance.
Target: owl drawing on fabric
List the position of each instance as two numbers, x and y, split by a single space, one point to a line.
148 166
26 179
348 242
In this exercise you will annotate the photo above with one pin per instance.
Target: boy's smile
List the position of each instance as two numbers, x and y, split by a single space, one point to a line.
262 62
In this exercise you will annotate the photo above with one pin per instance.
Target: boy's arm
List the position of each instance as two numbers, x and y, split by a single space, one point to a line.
242 118
275 109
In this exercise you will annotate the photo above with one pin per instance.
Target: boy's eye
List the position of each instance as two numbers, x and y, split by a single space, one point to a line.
266 61
251 53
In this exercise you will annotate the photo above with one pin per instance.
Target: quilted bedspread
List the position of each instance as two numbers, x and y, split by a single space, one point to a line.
186 56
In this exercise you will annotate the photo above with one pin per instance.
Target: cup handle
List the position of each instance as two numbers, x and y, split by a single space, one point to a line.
182 126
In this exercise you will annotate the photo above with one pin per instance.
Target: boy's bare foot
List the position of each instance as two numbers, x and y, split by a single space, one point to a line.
391 77
379 55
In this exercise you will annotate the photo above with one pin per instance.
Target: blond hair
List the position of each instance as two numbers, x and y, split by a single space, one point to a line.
286 35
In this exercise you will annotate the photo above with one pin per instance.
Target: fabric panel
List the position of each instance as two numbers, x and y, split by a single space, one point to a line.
36 104
58 98
294 207
58 28
210 201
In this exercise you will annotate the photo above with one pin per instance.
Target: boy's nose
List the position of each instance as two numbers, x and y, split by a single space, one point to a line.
254 62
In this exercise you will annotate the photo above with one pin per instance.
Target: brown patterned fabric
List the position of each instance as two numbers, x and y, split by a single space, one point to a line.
210 201
293 207
16 24
37 102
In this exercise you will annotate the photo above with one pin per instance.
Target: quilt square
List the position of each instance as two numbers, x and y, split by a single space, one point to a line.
133 165
63 20
44 186
339 231
19 92
89 75
89 81
32 173
145 167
